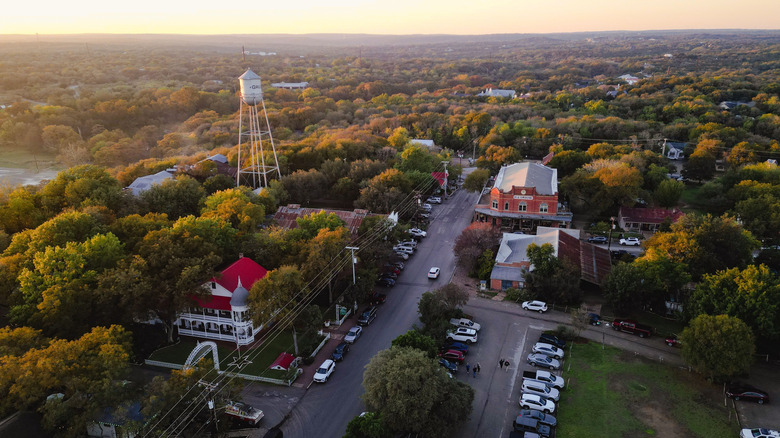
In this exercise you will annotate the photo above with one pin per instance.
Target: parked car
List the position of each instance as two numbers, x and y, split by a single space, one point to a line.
542 360
378 298
630 241
742 391
389 267
427 207
408 250
548 350
341 350
451 367
463 348
324 371
453 356
353 334
465 322
402 255
433 200
416 232
410 242
759 433
434 273
547 377
597 239
537 402
532 425
633 327
392 275
539 416
386 282
539 388
672 341
594 319
552 340
425 216
462 334
536 306
399 264
368 316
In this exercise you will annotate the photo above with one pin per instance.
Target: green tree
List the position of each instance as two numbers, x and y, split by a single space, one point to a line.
552 279
275 296
367 425
476 180
417 158
176 198
238 206
751 294
81 186
668 193
415 339
718 346
472 243
384 192
414 394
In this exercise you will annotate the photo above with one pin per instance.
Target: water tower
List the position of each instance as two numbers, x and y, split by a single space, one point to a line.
252 135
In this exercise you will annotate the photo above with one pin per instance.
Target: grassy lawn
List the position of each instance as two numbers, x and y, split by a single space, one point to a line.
23 159
610 393
691 198
261 359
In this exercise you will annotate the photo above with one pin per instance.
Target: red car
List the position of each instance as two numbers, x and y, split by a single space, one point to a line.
453 356
740 391
672 341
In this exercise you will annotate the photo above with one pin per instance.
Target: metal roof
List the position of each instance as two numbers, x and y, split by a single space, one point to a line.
528 174
286 216
249 74
507 273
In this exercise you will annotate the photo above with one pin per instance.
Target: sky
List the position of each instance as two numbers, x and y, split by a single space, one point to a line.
395 17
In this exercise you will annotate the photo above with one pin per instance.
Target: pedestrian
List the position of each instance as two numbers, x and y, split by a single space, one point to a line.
474 370
467 367
501 363
506 362
478 368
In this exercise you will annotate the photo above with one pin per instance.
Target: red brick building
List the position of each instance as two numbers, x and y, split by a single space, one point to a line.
524 197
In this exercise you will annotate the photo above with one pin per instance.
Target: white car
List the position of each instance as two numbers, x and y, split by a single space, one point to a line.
539 388
630 241
759 433
537 403
463 334
324 371
548 350
403 255
427 207
416 232
410 242
434 273
433 200
353 334
537 306
404 249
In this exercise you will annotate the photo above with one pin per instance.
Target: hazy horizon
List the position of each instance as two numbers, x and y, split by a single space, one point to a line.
382 17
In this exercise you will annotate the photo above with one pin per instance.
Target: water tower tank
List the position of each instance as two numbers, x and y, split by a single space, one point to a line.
251 91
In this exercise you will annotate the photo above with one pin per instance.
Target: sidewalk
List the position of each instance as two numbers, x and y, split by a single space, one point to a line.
336 336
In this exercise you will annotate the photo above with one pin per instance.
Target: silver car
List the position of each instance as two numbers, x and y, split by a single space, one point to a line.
353 334
541 360
548 350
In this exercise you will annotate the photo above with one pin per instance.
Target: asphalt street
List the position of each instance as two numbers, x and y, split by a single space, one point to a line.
325 409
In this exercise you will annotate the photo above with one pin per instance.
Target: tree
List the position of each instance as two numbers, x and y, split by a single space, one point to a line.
416 158
476 180
177 197
552 278
437 307
414 394
473 242
751 294
384 192
705 244
414 339
80 186
367 425
668 193
275 296
324 252
718 347
238 206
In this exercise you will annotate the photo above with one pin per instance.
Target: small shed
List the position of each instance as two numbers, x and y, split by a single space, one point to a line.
284 362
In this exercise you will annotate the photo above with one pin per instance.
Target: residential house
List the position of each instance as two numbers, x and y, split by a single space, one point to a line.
223 315
495 92
630 79
646 219
674 150
523 197
427 144
291 85
286 217
729 105
144 183
111 425
512 263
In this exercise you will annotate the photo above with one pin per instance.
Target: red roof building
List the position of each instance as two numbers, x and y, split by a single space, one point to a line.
223 315
646 219
283 362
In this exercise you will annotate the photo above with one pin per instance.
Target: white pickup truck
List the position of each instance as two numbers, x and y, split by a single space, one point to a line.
463 334
544 376
464 322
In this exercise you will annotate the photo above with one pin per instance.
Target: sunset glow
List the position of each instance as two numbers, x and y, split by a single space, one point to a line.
382 16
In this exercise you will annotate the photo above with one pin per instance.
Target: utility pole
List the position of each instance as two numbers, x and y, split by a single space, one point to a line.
609 241
445 163
354 260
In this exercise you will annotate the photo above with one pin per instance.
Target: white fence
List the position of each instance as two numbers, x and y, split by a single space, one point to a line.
322 344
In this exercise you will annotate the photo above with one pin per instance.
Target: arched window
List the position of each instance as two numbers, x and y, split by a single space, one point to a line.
506 205
522 207
542 208
495 204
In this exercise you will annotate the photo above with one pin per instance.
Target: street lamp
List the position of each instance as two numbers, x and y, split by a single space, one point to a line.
354 260
609 241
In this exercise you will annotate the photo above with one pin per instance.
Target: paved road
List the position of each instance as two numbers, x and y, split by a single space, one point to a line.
326 409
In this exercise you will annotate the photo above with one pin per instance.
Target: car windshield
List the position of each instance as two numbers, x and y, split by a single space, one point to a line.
353 332
322 370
